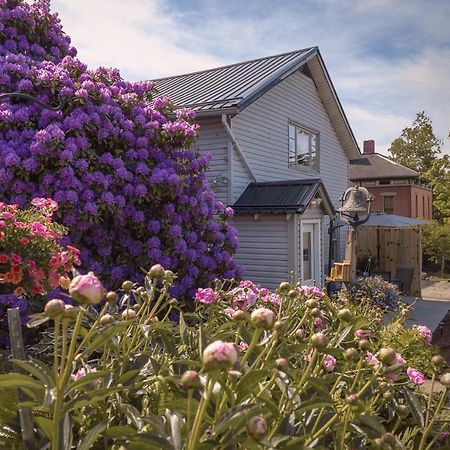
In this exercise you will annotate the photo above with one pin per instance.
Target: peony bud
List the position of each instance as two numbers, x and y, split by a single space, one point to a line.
300 334
87 289
263 318
169 276
279 325
107 319
257 427
315 312
402 410
387 356
128 314
190 379
438 361
312 303
389 438
127 286
239 315
364 344
445 379
292 293
54 308
219 355
140 290
156 272
284 286
173 302
345 315
388 395
111 298
319 340
352 399
70 312
282 364
351 354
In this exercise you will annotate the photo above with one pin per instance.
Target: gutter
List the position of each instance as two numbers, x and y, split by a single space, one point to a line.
236 146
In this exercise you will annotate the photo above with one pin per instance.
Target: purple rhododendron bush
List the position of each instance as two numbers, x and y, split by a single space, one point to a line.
247 369
130 189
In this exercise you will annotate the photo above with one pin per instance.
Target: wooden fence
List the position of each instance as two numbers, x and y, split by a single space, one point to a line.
392 247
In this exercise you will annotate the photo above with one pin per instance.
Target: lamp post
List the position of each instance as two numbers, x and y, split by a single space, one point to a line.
355 211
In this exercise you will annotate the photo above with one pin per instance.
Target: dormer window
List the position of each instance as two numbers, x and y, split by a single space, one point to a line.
303 147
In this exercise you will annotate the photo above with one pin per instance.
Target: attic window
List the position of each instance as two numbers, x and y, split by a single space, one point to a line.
303 147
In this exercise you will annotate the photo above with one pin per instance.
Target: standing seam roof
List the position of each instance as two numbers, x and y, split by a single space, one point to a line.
225 87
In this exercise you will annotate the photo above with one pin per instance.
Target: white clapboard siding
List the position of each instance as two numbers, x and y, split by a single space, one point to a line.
261 131
263 248
213 139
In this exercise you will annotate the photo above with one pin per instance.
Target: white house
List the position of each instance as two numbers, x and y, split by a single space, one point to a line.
280 145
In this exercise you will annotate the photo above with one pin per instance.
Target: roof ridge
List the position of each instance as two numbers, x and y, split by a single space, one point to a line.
394 162
300 51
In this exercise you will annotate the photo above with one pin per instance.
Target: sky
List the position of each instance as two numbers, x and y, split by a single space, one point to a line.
388 59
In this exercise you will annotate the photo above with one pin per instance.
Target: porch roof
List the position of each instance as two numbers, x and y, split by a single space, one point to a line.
292 196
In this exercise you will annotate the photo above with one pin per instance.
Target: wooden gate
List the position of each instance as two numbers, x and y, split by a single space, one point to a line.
392 247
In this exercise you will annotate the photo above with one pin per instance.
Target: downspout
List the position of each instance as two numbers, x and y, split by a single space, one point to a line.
236 146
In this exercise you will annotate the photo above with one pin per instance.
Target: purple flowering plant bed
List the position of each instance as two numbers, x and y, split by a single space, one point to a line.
116 157
248 368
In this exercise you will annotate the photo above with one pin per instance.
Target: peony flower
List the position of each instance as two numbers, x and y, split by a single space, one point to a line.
312 291
425 333
371 359
415 376
206 296
257 427
329 363
229 312
87 289
220 355
243 346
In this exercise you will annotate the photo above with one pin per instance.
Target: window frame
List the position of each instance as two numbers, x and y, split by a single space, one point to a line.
315 167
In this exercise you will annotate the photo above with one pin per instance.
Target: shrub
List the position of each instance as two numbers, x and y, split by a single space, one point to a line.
378 292
247 369
130 189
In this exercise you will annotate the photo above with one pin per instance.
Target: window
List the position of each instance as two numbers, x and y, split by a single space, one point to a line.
303 147
388 204
384 182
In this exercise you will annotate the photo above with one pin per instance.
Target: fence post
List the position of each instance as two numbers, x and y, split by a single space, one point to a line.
18 352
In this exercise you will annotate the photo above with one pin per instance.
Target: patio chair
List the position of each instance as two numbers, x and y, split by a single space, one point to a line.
403 278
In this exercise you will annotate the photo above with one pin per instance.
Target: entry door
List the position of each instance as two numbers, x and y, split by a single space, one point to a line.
310 254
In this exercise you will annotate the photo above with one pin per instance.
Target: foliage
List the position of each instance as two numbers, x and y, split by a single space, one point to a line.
375 290
417 147
115 156
436 242
439 176
247 369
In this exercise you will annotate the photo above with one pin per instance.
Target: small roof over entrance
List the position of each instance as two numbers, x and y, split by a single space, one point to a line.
291 196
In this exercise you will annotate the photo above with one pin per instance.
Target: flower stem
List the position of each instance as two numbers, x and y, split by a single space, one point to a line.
427 429
252 345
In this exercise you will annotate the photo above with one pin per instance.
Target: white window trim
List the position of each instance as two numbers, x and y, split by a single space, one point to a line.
310 131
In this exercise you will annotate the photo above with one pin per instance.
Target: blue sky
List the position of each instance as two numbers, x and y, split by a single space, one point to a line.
388 59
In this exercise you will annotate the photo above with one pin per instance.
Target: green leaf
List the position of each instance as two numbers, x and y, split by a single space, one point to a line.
36 370
37 319
45 425
372 422
84 380
248 382
343 335
414 406
90 438
105 335
133 415
315 403
121 431
147 441
18 380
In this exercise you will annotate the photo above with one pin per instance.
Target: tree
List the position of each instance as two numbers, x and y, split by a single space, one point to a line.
436 243
116 157
417 147
439 179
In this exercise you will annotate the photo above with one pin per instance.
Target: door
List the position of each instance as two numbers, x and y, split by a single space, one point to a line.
310 253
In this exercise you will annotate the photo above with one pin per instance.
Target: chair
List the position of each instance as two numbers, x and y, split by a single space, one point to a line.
403 278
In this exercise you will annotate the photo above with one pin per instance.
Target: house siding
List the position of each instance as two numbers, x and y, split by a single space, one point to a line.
263 247
261 131
214 140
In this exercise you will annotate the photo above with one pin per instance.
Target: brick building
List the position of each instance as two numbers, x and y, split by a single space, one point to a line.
396 189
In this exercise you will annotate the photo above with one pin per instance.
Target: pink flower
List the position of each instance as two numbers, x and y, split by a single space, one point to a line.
242 298
415 376
425 333
2 224
273 299
87 289
312 291
263 318
392 377
319 323
207 296
371 359
399 360
329 363
24 240
243 346
229 312
8 216
16 259
40 202
3 258
363 334
249 284
220 355
83 372
264 291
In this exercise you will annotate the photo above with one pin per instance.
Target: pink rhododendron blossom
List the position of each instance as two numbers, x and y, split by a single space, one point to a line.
425 333
206 296
415 376
329 363
312 291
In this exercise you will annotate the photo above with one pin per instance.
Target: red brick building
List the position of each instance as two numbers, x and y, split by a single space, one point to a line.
396 189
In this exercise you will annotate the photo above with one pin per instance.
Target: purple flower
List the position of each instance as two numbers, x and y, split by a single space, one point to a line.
415 376
329 363
206 296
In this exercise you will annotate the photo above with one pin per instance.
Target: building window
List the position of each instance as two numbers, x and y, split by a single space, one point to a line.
388 204
303 147
400 181
384 182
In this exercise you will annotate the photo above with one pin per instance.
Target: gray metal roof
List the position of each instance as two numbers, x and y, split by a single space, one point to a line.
374 166
233 86
291 196
380 219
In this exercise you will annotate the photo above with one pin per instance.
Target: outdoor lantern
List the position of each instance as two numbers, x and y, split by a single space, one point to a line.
355 209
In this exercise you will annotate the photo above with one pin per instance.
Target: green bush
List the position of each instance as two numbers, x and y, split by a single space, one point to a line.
247 369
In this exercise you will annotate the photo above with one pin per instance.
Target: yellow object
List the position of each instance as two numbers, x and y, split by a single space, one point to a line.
341 271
